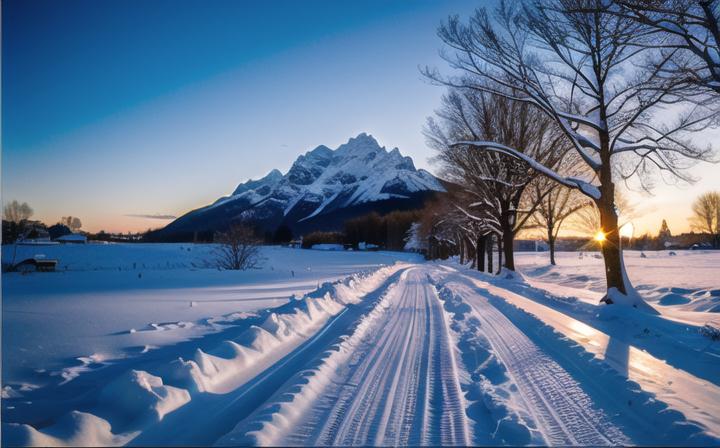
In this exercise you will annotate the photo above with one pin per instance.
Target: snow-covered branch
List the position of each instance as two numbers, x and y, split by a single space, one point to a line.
585 187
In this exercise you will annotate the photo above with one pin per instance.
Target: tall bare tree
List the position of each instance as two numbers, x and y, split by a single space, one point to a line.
577 62
706 215
689 30
494 181
72 222
16 212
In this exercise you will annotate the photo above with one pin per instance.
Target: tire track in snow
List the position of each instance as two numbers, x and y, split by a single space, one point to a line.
400 385
564 412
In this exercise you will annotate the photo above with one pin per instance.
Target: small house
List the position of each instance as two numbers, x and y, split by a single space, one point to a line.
35 237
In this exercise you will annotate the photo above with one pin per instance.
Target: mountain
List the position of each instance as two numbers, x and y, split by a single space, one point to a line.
322 189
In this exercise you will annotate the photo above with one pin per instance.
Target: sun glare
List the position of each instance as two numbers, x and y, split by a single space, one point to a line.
600 236
627 230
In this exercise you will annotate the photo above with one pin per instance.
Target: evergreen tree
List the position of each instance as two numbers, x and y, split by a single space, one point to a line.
664 235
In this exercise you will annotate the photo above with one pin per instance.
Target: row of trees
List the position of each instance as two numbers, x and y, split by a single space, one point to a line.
551 102
17 222
388 231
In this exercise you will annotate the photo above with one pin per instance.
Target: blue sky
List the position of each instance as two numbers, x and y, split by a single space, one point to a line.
113 108
131 107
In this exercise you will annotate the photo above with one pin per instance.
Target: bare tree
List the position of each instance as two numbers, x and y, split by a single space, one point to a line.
494 181
555 203
238 248
16 212
72 222
689 30
577 62
551 213
706 215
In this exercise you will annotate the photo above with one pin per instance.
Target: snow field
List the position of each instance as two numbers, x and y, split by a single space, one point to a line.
137 399
683 282
118 301
407 354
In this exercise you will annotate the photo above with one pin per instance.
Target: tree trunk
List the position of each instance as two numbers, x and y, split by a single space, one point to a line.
612 253
507 245
490 252
480 252
550 230
500 244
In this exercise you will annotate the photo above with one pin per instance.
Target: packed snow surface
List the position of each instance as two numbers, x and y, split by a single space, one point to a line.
383 349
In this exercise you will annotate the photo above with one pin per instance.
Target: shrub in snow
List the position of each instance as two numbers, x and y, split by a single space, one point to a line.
238 249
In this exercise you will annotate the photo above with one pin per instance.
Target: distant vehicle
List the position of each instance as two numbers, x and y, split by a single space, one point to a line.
701 246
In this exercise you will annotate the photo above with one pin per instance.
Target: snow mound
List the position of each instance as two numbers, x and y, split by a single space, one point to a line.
137 394
75 429
286 327
281 414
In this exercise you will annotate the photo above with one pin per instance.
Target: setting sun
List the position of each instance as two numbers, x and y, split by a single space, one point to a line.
599 236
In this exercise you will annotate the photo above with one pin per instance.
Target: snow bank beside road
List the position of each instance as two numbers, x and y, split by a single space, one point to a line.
135 400
278 416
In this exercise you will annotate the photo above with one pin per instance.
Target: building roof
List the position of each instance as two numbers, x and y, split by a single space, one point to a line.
72 237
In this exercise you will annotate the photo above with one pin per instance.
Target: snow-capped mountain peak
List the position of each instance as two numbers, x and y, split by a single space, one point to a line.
322 180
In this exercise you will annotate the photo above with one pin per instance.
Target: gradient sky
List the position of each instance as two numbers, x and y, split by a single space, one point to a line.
116 108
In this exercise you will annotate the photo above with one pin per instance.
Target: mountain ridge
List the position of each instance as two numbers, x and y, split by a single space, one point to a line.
321 182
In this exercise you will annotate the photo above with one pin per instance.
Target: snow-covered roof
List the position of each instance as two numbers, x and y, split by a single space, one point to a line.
72 237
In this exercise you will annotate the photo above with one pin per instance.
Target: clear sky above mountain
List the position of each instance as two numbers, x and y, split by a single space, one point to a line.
119 108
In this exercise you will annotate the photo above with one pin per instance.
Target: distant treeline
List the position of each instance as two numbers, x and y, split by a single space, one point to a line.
387 232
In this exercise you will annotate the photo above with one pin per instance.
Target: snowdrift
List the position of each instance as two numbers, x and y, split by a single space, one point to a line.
133 401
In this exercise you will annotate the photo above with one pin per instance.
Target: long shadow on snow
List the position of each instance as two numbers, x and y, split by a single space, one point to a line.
647 421
656 335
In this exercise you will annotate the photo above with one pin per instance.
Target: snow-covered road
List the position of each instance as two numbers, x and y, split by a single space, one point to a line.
399 387
413 354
